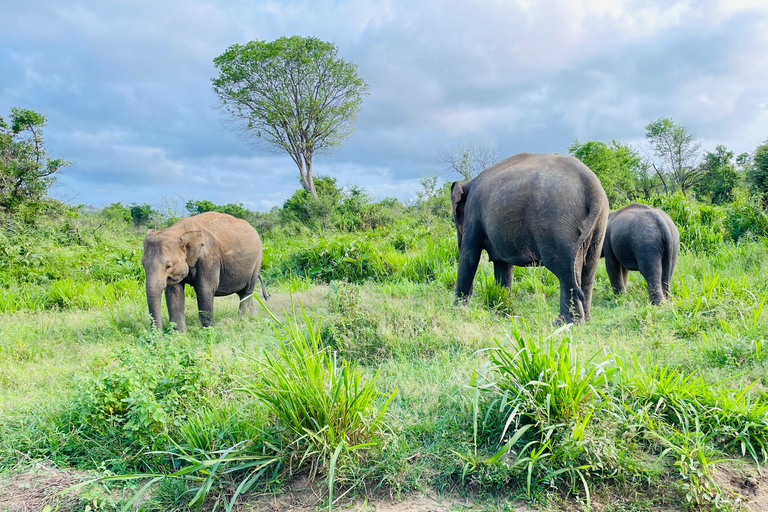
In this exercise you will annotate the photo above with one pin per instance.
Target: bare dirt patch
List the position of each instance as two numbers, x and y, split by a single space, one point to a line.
750 486
33 489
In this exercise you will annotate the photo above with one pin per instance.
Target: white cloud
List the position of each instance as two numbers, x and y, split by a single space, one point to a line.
126 85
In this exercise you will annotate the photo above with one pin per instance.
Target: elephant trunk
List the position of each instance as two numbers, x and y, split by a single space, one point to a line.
155 290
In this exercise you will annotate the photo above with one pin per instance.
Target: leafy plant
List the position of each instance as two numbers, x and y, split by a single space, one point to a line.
321 402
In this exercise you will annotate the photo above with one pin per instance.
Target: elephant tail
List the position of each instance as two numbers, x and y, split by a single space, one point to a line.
595 213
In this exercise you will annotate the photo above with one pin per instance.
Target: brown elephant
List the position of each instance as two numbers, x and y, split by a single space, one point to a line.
215 253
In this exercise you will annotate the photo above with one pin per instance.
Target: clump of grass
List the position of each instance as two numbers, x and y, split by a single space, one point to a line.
430 263
492 295
352 328
538 399
322 403
737 419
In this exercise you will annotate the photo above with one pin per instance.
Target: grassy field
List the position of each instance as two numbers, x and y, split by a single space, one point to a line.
377 385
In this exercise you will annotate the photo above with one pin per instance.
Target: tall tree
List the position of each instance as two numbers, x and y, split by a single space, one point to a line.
294 93
469 159
617 166
676 152
719 178
26 170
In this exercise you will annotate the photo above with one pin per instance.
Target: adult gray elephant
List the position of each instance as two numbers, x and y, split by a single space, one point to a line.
533 209
642 238
215 253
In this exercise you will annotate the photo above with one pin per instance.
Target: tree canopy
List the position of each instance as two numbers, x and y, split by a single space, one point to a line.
294 94
676 152
719 176
758 173
468 160
26 170
617 165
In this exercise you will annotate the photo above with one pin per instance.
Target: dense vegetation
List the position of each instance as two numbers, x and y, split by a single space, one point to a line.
372 381
395 388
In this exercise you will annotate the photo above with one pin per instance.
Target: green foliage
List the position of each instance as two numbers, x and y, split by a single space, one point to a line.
617 166
141 214
314 213
758 173
294 93
117 212
144 393
676 151
26 170
321 402
335 259
233 209
720 177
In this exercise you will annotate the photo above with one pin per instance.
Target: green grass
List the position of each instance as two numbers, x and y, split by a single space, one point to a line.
84 384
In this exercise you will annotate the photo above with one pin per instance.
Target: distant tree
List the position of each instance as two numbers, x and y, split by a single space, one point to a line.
676 153
202 206
141 214
26 170
468 160
617 166
294 93
233 209
720 177
318 212
117 211
757 175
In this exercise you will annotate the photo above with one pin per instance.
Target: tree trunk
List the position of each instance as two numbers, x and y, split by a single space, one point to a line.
310 179
154 301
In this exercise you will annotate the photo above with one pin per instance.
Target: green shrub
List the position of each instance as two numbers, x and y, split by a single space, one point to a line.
352 328
339 258
146 392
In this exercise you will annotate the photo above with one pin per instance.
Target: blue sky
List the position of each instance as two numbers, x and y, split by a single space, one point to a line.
126 85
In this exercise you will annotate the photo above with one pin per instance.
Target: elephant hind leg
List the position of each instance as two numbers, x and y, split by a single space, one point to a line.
651 271
571 307
246 297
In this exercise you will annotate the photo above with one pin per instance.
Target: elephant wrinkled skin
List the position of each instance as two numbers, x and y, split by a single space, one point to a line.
533 209
642 238
215 253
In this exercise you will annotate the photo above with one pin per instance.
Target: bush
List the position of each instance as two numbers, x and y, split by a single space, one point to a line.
146 392
340 258
351 328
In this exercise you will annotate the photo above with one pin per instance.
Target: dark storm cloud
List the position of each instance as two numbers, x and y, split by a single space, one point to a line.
126 85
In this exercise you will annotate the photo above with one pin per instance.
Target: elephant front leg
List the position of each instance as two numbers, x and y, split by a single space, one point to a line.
503 272
174 297
469 259
205 305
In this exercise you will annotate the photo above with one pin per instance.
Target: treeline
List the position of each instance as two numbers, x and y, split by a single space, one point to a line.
675 163
347 209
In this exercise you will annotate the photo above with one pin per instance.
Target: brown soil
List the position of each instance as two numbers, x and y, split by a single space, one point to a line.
38 487
33 489
749 487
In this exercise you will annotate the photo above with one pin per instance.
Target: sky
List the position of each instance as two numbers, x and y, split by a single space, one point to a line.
126 85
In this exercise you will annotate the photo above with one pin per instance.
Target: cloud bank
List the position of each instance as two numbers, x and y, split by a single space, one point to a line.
126 85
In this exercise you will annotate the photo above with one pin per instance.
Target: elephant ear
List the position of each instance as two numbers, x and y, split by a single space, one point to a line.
458 200
192 242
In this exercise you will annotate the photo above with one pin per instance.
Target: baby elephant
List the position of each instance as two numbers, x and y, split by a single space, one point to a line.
214 253
641 238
